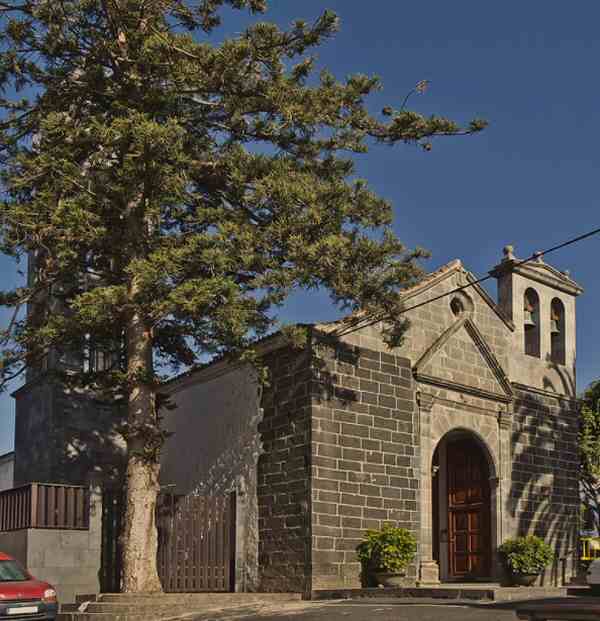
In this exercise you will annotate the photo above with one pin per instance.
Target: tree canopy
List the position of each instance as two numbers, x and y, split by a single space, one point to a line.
171 192
589 451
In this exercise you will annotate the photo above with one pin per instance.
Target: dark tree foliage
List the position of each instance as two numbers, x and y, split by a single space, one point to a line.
589 453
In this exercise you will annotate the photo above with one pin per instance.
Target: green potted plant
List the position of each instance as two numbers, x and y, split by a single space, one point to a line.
526 558
386 554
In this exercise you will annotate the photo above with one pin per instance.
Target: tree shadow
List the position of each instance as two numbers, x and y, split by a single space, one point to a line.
544 494
299 382
65 436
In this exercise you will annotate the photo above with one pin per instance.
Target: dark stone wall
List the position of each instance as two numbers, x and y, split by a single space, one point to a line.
545 493
34 437
64 437
284 473
365 459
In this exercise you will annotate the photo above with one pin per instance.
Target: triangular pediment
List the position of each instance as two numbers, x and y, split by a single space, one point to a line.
431 283
460 359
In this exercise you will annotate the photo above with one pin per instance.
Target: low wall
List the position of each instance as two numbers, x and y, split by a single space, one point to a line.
67 559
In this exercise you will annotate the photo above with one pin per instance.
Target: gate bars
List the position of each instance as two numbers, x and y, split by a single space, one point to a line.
196 542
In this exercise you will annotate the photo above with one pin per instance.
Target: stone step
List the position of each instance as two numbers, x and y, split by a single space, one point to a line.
462 592
125 612
79 616
202 598
90 597
150 608
158 606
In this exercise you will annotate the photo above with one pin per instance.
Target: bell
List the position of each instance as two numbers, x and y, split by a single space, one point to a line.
554 329
529 318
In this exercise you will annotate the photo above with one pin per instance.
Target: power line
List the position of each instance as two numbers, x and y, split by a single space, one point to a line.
534 256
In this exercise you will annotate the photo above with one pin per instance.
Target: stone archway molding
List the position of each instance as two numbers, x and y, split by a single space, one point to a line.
437 420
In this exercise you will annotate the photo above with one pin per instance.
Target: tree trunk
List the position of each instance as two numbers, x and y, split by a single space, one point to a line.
140 539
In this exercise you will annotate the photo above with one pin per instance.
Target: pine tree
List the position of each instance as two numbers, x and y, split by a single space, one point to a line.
171 193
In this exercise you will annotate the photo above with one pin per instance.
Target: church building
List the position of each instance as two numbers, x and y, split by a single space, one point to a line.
466 435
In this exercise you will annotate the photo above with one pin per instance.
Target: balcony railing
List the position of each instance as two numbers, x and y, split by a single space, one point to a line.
44 505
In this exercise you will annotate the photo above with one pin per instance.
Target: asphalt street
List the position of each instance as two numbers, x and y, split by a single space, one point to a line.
379 610
395 612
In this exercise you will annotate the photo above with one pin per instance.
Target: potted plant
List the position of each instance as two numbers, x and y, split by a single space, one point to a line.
386 553
526 558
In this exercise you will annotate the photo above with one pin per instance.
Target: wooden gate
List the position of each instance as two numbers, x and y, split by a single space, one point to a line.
196 542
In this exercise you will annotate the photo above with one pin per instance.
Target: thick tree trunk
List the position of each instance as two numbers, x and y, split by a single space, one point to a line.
140 572
140 541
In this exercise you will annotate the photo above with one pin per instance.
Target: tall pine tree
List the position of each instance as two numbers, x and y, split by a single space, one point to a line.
171 193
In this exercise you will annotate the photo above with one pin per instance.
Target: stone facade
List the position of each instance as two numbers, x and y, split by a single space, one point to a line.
284 469
365 455
543 496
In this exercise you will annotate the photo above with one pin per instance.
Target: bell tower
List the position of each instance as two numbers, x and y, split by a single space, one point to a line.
540 301
65 434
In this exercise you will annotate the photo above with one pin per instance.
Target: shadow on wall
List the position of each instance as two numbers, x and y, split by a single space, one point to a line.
284 472
298 379
544 496
352 421
213 450
69 439
92 443
374 392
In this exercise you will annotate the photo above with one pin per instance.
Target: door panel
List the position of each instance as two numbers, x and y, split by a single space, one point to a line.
468 511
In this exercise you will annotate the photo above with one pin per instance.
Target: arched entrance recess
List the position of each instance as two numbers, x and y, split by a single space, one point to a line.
463 507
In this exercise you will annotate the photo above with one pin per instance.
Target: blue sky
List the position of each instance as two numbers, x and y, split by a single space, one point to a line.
530 179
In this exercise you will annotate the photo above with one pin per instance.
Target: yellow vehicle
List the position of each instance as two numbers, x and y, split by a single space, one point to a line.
590 548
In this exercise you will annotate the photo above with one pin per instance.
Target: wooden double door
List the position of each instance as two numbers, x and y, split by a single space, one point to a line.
469 531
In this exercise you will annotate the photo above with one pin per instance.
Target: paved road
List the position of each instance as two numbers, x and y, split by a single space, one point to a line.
380 610
377 610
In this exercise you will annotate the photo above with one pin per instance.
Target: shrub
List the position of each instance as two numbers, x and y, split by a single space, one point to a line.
390 549
526 555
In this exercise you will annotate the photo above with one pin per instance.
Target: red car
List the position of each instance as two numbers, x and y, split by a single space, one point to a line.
22 596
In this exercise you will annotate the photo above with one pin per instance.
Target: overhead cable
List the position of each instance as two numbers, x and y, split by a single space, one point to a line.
534 257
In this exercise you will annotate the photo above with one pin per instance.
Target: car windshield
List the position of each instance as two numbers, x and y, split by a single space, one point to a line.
10 571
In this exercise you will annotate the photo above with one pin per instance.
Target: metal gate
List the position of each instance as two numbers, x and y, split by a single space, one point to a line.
196 542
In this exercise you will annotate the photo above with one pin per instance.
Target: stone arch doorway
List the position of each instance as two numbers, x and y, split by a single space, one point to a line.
462 506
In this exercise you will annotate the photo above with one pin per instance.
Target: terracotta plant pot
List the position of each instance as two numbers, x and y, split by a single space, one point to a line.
387 579
524 579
